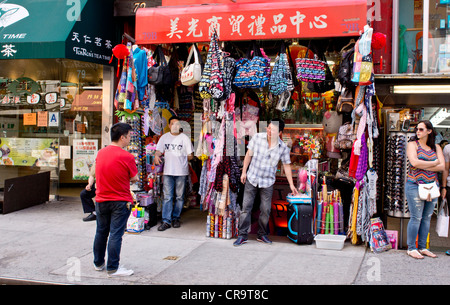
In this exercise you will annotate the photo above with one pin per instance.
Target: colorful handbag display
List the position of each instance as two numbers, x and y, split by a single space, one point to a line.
192 73
281 77
311 70
251 71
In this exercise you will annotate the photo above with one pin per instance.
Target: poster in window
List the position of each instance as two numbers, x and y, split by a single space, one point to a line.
84 154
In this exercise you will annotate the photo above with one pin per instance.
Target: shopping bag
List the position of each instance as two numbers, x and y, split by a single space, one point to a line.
442 220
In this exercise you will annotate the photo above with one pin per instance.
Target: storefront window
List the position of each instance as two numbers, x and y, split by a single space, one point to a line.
439 36
412 26
46 105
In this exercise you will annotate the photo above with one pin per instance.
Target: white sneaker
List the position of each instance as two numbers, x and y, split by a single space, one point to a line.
122 271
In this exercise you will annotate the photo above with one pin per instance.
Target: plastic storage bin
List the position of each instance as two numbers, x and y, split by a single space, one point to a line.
331 242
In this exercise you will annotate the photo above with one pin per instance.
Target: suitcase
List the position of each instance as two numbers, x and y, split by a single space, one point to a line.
300 223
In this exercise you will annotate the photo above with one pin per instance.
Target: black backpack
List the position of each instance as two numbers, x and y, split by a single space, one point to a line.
345 69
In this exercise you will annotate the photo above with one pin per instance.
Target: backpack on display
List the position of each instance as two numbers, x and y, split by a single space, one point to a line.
345 102
345 68
345 137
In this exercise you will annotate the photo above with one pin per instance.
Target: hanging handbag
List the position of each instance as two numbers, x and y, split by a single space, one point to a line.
192 73
345 137
216 87
442 220
345 102
310 69
251 71
281 77
428 191
160 74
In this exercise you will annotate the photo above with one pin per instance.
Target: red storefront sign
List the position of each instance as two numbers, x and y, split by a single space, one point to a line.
251 21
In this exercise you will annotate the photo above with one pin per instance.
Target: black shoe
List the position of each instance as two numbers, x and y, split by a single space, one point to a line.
164 226
176 223
90 217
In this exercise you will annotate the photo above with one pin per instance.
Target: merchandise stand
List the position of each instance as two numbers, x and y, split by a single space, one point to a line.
335 115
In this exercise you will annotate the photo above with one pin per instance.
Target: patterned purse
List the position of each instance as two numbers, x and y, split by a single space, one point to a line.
311 70
281 77
251 71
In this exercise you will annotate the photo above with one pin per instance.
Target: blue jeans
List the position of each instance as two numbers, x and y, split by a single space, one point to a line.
421 212
112 217
171 211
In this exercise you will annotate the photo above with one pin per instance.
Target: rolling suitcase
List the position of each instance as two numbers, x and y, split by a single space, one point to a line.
300 219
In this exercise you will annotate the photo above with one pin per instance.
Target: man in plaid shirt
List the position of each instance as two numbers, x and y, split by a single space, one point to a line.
264 152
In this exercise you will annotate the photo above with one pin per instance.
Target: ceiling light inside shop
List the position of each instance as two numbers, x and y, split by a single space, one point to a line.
420 89
441 115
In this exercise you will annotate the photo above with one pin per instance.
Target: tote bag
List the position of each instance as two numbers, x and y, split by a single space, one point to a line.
192 73
251 71
311 70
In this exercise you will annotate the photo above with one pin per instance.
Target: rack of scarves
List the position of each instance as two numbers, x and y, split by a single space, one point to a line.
365 122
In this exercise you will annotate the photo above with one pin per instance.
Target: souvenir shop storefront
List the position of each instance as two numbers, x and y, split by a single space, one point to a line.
56 88
234 67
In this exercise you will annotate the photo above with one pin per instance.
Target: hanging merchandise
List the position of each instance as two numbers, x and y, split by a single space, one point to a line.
121 52
362 60
216 87
160 74
131 99
345 102
344 74
211 83
251 71
229 68
310 69
281 77
192 73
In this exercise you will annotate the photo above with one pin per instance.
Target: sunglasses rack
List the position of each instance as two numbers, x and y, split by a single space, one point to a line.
137 149
397 168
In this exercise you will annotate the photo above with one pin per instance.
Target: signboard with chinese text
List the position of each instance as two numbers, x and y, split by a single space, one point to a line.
251 21
77 29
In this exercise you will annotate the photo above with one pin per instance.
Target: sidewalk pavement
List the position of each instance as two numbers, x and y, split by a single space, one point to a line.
50 243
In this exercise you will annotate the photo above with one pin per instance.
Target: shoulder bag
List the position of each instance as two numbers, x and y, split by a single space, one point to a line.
192 73
429 191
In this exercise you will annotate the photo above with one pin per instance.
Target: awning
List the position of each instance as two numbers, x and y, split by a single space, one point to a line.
81 29
251 21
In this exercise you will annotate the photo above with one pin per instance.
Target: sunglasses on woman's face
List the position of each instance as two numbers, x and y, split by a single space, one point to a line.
420 129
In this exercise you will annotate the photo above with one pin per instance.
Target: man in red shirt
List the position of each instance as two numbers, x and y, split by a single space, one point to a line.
115 168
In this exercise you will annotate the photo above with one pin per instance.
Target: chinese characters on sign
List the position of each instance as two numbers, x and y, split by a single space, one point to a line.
157 25
83 42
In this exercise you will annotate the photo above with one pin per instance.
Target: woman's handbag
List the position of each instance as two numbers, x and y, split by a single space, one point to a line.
192 73
429 191
442 220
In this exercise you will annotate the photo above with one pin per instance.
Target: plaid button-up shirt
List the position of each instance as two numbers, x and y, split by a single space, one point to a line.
263 166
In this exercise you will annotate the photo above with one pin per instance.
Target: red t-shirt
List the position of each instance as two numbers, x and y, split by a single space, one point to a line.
114 167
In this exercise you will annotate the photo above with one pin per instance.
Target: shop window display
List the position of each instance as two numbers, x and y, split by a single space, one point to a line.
411 40
46 105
